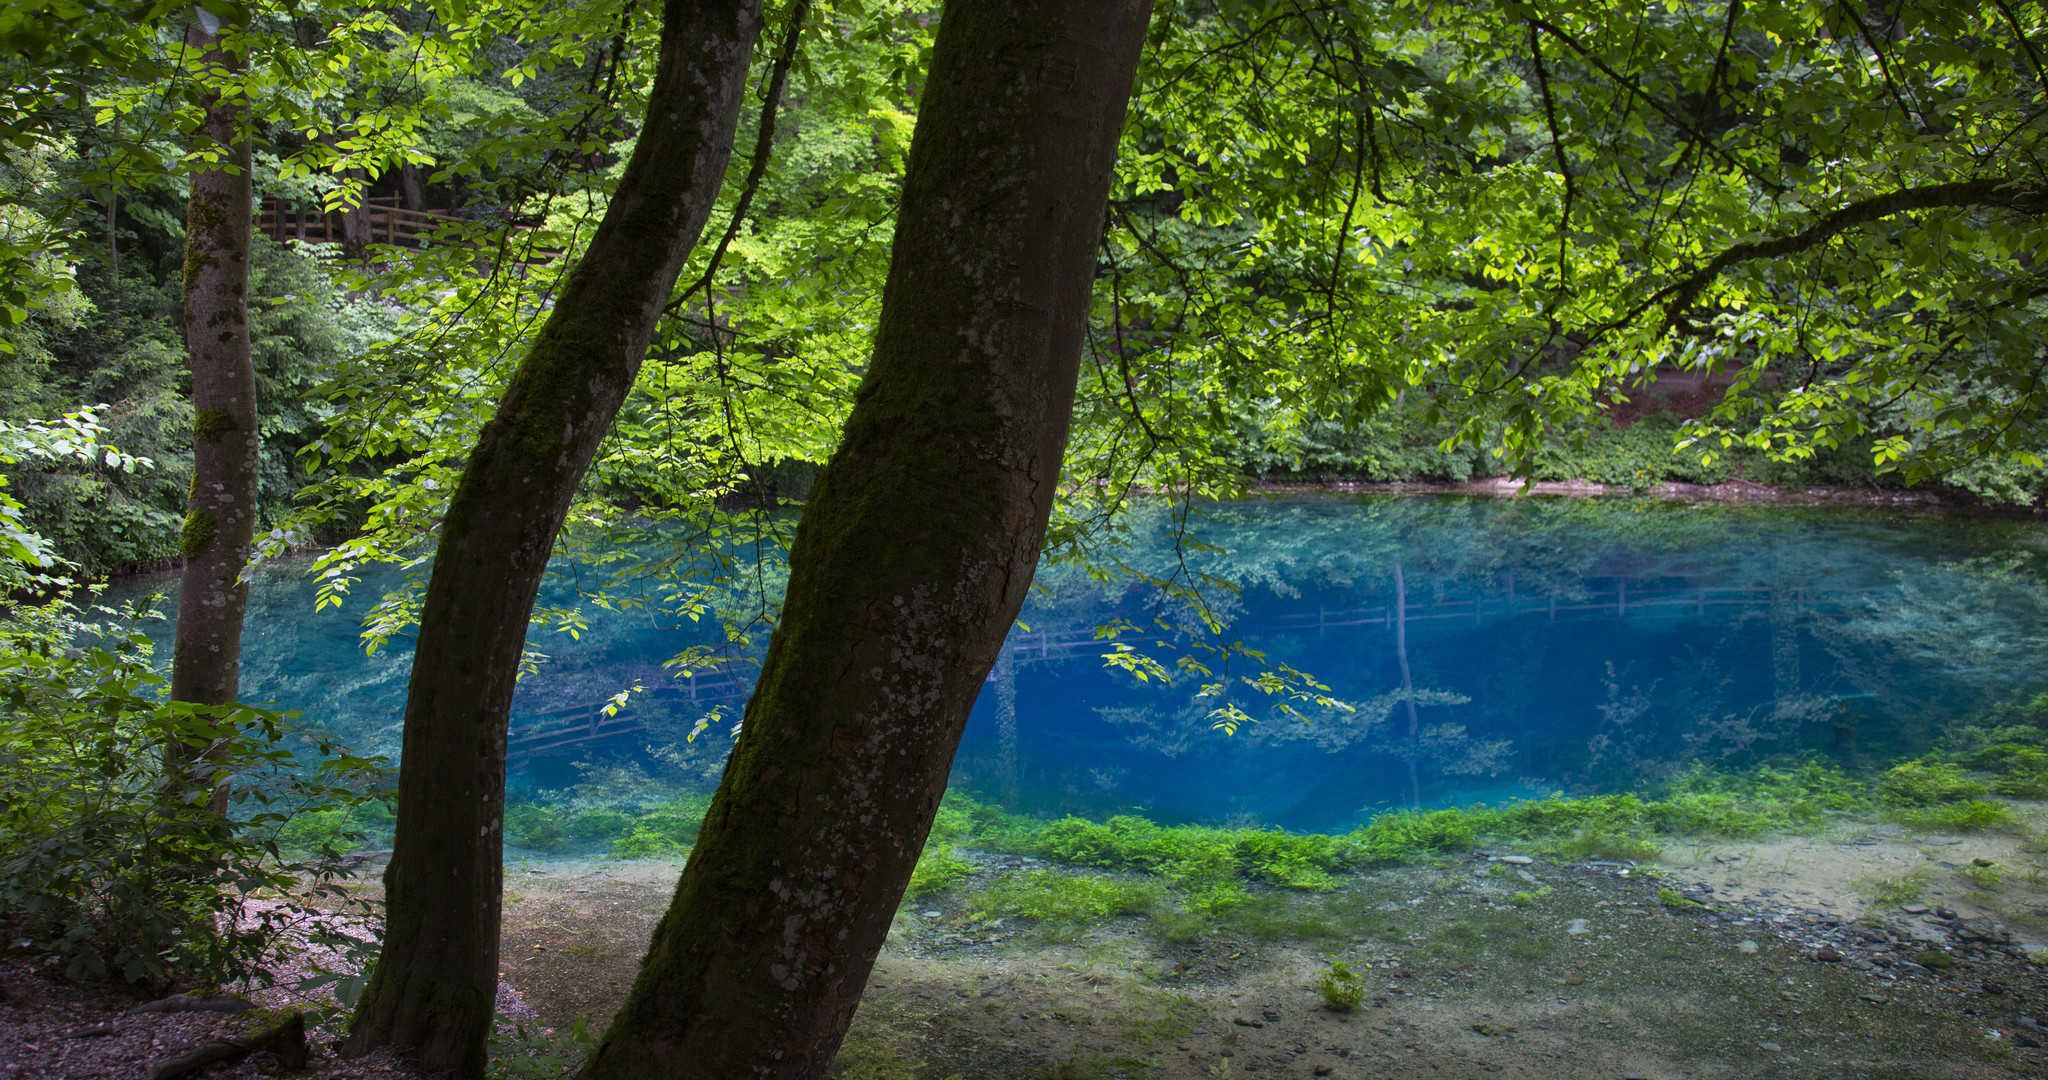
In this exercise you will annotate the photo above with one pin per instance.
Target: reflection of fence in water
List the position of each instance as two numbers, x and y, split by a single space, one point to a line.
1622 601
557 729
562 728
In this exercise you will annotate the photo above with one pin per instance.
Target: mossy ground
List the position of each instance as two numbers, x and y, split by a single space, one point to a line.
1456 982
1123 948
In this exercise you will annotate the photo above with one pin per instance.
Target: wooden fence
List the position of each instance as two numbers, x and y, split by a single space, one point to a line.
384 222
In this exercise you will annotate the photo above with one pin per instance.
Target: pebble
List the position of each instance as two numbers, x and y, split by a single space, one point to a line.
1745 946
1827 954
1514 860
1915 909
1577 927
934 914
1772 1047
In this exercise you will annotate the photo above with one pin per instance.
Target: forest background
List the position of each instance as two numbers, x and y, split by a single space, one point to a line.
1241 347
1398 241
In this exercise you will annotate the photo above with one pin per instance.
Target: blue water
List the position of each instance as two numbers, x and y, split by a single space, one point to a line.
1574 645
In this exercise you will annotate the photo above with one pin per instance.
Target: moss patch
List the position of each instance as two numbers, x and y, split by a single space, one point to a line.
211 425
197 535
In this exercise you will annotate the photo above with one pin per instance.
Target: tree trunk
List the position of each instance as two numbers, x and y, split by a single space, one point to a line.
355 224
912 557
220 514
412 195
431 995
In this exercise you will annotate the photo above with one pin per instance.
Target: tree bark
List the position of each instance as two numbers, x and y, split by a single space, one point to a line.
431 995
220 513
912 557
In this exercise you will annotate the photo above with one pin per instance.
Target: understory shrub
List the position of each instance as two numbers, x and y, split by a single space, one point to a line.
112 859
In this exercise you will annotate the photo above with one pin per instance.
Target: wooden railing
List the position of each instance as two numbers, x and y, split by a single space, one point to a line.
384 222
389 223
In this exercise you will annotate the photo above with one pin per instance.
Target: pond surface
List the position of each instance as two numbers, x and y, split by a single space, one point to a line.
1486 649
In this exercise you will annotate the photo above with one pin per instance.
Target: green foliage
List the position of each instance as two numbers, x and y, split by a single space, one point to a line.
1402 836
1528 898
1976 815
1672 898
520 1051
938 866
1206 862
1983 873
1341 989
320 832
112 861
1901 889
537 827
1934 960
1921 783
2020 770
600 824
1066 904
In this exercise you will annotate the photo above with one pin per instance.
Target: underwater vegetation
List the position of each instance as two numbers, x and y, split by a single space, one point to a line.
1186 877
1341 989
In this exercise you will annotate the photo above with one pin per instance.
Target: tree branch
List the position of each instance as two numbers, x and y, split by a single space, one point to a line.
1636 88
2004 194
764 142
1564 166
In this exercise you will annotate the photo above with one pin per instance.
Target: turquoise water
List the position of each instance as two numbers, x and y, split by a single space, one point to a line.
1544 644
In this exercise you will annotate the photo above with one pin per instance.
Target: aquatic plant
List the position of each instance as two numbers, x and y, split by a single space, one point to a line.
1935 960
647 842
1065 904
600 824
1529 898
1671 898
331 832
1982 873
1926 783
1341 989
937 867
1977 815
1900 889
2021 771
537 827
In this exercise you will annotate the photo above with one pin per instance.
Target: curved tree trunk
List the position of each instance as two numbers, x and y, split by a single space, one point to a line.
431 995
912 557
220 513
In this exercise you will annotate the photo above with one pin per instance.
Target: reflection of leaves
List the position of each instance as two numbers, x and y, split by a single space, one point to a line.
1977 617
1458 754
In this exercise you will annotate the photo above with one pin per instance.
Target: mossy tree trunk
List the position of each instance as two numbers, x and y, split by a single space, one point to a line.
431 995
220 512
912 556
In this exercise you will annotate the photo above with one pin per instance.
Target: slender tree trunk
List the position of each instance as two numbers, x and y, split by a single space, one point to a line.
912 557
220 514
411 194
355 225
432 992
